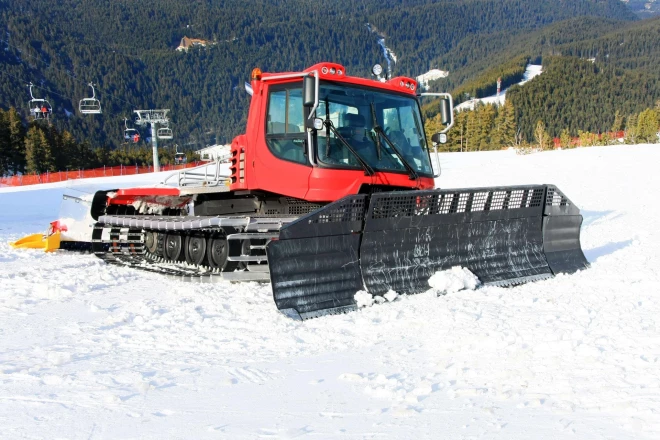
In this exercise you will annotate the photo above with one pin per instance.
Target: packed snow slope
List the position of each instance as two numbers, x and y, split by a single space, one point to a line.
92 351
532 71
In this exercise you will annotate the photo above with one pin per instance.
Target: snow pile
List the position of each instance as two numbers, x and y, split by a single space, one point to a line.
452 280
365 299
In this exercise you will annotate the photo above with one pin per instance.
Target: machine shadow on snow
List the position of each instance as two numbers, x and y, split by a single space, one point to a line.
593 217
594 254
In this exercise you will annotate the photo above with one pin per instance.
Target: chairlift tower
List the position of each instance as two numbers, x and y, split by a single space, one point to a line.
154 118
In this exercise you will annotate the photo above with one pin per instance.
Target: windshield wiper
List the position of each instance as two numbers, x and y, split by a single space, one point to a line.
411 171
379 132
367 168
374 122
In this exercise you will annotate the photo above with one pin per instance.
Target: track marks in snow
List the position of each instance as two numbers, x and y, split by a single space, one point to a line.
405 392
250 375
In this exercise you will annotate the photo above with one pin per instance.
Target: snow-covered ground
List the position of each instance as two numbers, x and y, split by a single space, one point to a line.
531 71
91 351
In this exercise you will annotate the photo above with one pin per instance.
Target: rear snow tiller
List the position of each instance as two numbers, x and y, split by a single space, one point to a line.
397 241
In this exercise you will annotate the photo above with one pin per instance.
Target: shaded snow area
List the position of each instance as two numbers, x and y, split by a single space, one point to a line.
531 71
92 351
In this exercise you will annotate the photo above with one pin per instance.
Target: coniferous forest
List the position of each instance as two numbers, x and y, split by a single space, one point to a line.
598 59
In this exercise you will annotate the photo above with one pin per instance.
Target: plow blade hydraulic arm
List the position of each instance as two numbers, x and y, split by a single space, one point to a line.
398 240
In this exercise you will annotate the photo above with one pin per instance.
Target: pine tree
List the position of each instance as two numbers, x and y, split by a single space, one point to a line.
508 127
647 126
70 153
16 141
587 139
541 136
5 146
483 116
618 122
38 155
469 131
631 135
458 132
565 140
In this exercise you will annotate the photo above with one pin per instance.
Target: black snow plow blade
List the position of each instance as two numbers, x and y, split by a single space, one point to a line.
398 240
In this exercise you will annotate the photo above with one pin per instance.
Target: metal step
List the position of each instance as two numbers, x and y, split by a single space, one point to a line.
253 236
249 258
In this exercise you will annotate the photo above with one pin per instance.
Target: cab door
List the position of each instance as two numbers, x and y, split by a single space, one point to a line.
283 166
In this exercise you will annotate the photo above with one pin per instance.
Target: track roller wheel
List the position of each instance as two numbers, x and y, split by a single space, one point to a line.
195 249
151 242
173 247
217 251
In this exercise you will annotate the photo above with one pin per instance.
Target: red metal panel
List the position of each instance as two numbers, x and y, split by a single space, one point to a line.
264 171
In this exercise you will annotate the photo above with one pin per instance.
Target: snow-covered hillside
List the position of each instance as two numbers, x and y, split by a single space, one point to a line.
532 71
431 75
91 351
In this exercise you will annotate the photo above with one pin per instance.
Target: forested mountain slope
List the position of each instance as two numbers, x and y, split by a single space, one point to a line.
127 49
592 81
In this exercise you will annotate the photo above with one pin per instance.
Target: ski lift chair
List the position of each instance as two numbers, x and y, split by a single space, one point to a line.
90 106
39 108
164 132
130 134
180 159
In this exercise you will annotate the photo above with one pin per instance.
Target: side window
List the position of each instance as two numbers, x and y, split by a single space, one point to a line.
285 134
276 113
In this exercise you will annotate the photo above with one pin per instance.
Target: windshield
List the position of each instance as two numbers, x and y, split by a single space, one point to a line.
355 112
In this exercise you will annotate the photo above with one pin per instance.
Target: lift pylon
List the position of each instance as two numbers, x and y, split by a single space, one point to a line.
154 118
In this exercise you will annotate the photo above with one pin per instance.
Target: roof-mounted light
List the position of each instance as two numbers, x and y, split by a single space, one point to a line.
256 74
377 69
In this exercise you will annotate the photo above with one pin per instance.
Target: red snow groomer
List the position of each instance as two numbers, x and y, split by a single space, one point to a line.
331 191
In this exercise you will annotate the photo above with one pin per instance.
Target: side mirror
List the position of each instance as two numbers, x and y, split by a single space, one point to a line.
309 91
445 112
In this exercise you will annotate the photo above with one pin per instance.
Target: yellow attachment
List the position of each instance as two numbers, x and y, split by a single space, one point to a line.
38 241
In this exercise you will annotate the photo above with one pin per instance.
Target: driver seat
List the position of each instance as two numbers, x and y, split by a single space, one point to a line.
350 123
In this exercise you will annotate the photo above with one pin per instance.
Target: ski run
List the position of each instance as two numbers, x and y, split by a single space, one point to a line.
94 351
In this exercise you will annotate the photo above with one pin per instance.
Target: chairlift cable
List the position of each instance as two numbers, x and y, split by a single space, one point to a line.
49 91
50 65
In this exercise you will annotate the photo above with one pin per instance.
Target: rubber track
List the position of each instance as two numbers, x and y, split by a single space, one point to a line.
133 253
